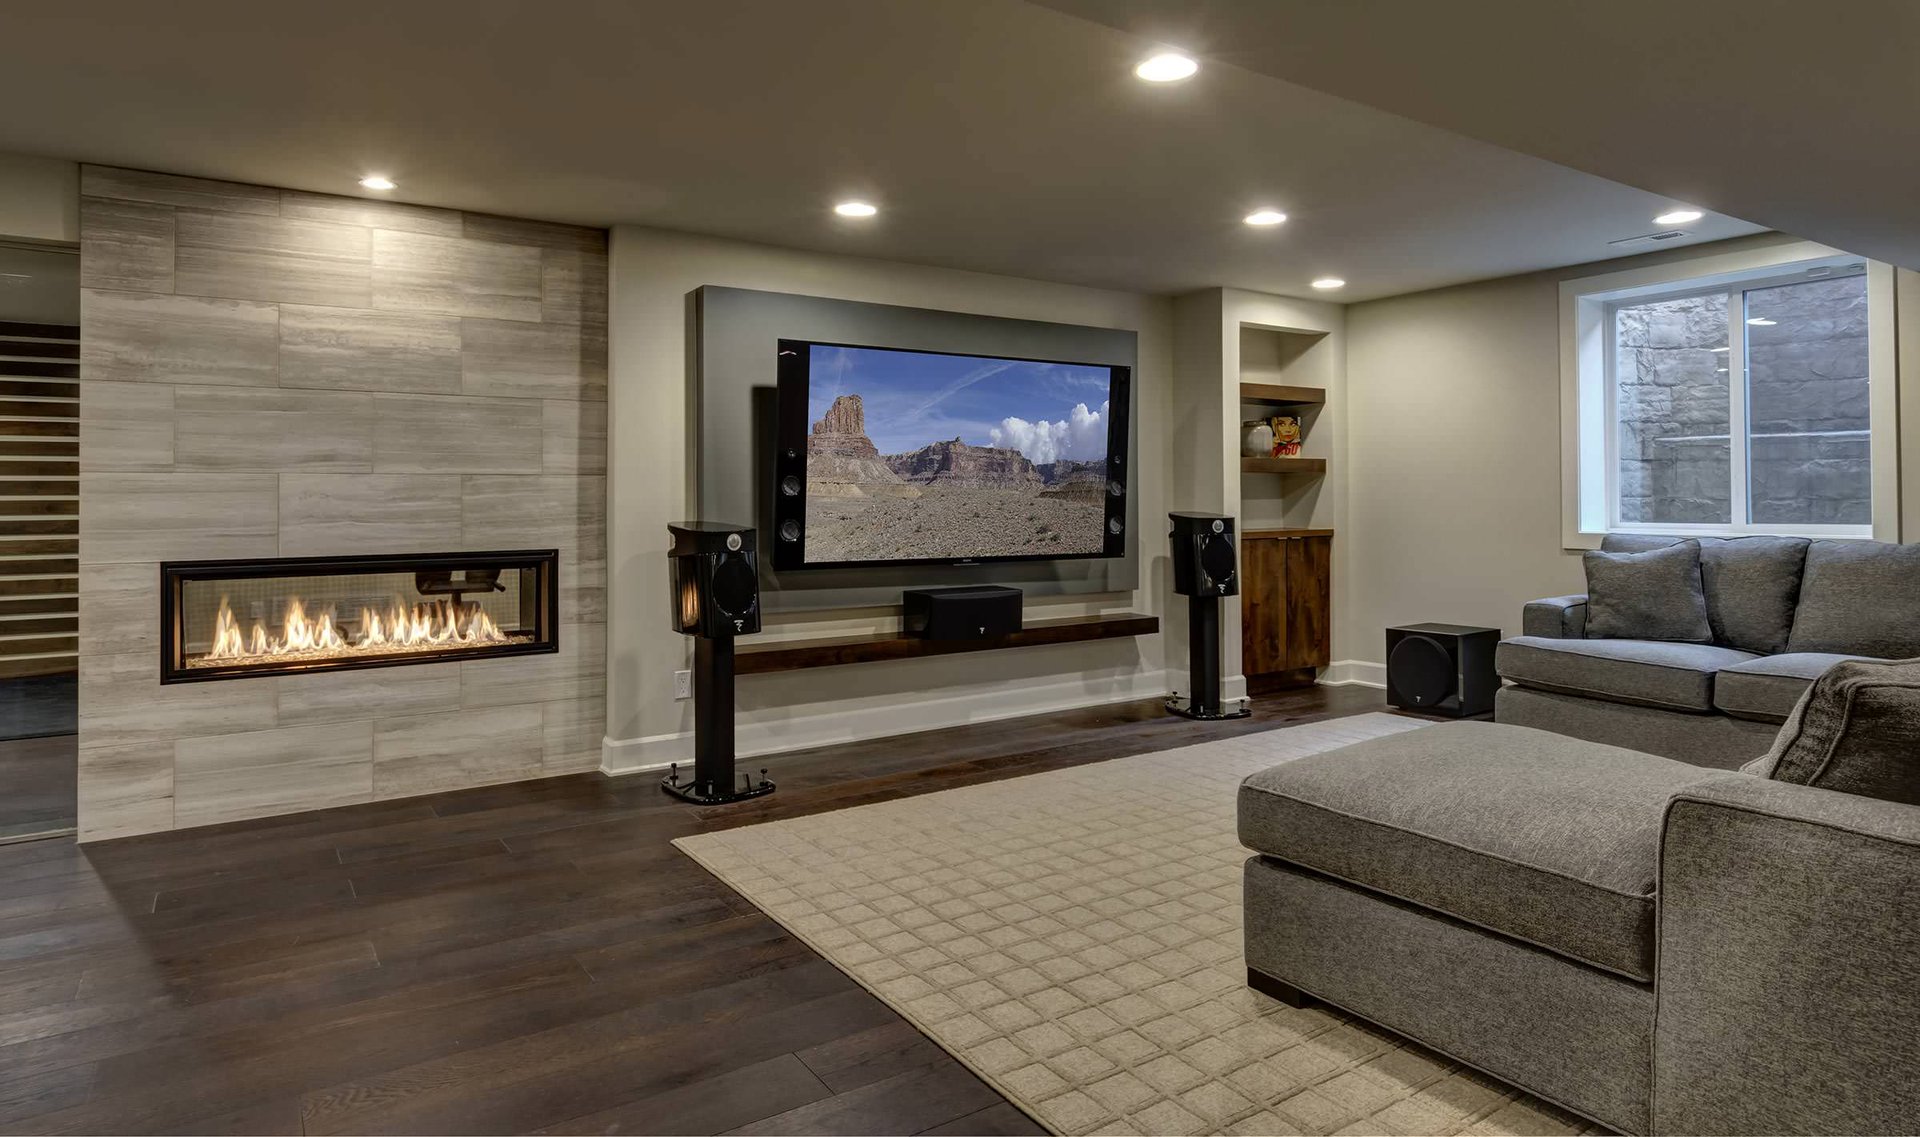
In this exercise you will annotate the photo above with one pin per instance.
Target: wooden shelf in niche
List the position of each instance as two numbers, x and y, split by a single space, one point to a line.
1313 466
761 658
1281 395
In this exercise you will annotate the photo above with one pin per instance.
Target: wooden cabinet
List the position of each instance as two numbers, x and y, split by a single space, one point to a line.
1286 606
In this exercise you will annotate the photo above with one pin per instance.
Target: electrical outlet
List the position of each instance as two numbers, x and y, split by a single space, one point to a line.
683 684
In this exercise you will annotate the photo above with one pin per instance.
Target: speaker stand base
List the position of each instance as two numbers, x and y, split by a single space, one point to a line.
1185 708
691 791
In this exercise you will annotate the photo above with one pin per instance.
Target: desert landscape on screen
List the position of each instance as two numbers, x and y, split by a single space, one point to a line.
1024 487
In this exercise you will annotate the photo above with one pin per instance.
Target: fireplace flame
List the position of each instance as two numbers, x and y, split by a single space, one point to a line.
441 624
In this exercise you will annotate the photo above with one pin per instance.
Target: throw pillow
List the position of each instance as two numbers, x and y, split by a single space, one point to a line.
1655 595
1752 585
1859 598
1856 730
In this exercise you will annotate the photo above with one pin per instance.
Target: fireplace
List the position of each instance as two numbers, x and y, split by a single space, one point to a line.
235 619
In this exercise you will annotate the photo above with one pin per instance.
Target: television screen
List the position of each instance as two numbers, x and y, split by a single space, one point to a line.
924 456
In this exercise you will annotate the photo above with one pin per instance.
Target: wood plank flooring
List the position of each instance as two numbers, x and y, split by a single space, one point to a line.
525 958
37 779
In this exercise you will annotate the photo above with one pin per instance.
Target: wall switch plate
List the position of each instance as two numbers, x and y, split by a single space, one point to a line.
683 684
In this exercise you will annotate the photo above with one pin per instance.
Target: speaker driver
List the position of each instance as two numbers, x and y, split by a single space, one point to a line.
789 530
1116 487
1422 670
1114 525
1217 559
734 586
790 486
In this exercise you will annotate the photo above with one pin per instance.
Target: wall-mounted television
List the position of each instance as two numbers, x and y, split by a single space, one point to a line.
894 457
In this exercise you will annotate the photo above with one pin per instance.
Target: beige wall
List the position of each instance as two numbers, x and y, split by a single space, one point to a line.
653 275
1454 452
268 373
39 199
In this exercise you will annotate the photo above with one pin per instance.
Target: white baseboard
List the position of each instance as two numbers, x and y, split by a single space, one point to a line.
1354 673
825 724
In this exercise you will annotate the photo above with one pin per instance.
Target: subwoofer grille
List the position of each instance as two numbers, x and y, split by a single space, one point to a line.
1423 670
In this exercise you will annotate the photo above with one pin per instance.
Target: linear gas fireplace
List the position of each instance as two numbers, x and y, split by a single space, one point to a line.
233 619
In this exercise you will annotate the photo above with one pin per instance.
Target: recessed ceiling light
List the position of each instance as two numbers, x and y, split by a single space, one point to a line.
856 209
1762 322
1678 217
1719 349
1166 67
377 181
1265 217
1329 282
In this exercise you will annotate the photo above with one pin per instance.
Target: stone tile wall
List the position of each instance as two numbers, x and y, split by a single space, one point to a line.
274 373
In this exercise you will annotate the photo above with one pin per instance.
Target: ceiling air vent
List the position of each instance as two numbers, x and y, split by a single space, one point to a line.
1649 238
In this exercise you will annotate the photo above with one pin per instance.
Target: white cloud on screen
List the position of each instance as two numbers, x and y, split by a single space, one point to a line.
1081 436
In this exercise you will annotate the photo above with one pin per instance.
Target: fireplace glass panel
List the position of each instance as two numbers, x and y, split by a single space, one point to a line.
228 619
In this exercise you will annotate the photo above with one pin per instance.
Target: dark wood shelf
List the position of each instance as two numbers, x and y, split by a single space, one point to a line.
1278 394
1282 534
1283 465
753 658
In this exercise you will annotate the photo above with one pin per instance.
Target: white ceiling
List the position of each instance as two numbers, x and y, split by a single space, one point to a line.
997 135
1800 115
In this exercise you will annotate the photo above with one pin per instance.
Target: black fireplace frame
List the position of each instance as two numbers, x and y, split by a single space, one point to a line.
175 574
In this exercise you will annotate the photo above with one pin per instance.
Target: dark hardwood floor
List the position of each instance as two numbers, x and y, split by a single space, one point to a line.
36 784
530 957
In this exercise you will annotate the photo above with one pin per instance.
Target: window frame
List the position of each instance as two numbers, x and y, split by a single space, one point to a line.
1590 430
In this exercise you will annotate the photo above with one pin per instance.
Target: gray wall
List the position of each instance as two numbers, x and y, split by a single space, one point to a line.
271 373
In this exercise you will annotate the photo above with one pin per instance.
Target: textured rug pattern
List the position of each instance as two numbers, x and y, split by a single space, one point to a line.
1074 937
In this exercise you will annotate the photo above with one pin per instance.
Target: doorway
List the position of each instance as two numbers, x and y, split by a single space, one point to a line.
39 537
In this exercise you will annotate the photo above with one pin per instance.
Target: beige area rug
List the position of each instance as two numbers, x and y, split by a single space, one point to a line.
1074 938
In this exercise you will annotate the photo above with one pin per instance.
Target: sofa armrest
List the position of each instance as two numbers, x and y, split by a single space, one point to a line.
1560 617
1788 977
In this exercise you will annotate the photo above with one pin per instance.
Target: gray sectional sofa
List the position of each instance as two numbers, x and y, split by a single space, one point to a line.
1782 611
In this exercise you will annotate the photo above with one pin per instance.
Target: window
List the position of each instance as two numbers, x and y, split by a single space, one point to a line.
1714 398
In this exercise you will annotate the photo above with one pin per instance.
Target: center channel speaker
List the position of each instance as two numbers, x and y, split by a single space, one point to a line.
1442 669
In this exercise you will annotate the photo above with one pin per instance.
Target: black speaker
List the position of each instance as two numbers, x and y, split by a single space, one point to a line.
1205 561
716 579
974 612
1442 669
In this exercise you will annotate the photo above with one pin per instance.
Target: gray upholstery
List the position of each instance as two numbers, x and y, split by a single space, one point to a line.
1655 595
1673 676
1857 731
1568 1033
1860 598
1556 617
1546 839
1789 962
1717 741
1766 689
1751 584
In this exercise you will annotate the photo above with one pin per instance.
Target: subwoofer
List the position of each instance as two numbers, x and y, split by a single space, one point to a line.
1442 669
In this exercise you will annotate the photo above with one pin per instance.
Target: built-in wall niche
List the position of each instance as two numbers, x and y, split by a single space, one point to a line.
1283 373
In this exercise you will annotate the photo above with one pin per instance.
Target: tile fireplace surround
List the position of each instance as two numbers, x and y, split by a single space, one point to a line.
272 374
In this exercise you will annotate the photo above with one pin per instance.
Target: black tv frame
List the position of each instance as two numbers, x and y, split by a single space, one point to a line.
794 367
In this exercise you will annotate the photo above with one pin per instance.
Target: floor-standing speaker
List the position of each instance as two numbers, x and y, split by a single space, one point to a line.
1442 669
716 596
1206 567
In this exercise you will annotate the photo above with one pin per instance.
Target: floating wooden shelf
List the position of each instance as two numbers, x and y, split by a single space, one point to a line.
1281 395
759 658
1282 534
1283 465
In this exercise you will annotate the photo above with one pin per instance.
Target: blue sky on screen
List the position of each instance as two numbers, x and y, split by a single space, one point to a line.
1047 411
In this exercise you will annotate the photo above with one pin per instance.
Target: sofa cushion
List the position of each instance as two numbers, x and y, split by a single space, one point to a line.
1766 689
1655 595
1856 730
1546 839
1752 584
1675 677
1859 598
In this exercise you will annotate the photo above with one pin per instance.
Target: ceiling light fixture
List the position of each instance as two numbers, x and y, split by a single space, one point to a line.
1678 217
1265 217
1166 67
377 182
1326 282
1719 349
1762 322
856 209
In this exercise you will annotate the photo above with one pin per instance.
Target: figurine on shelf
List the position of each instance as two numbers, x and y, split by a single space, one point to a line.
1286 436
